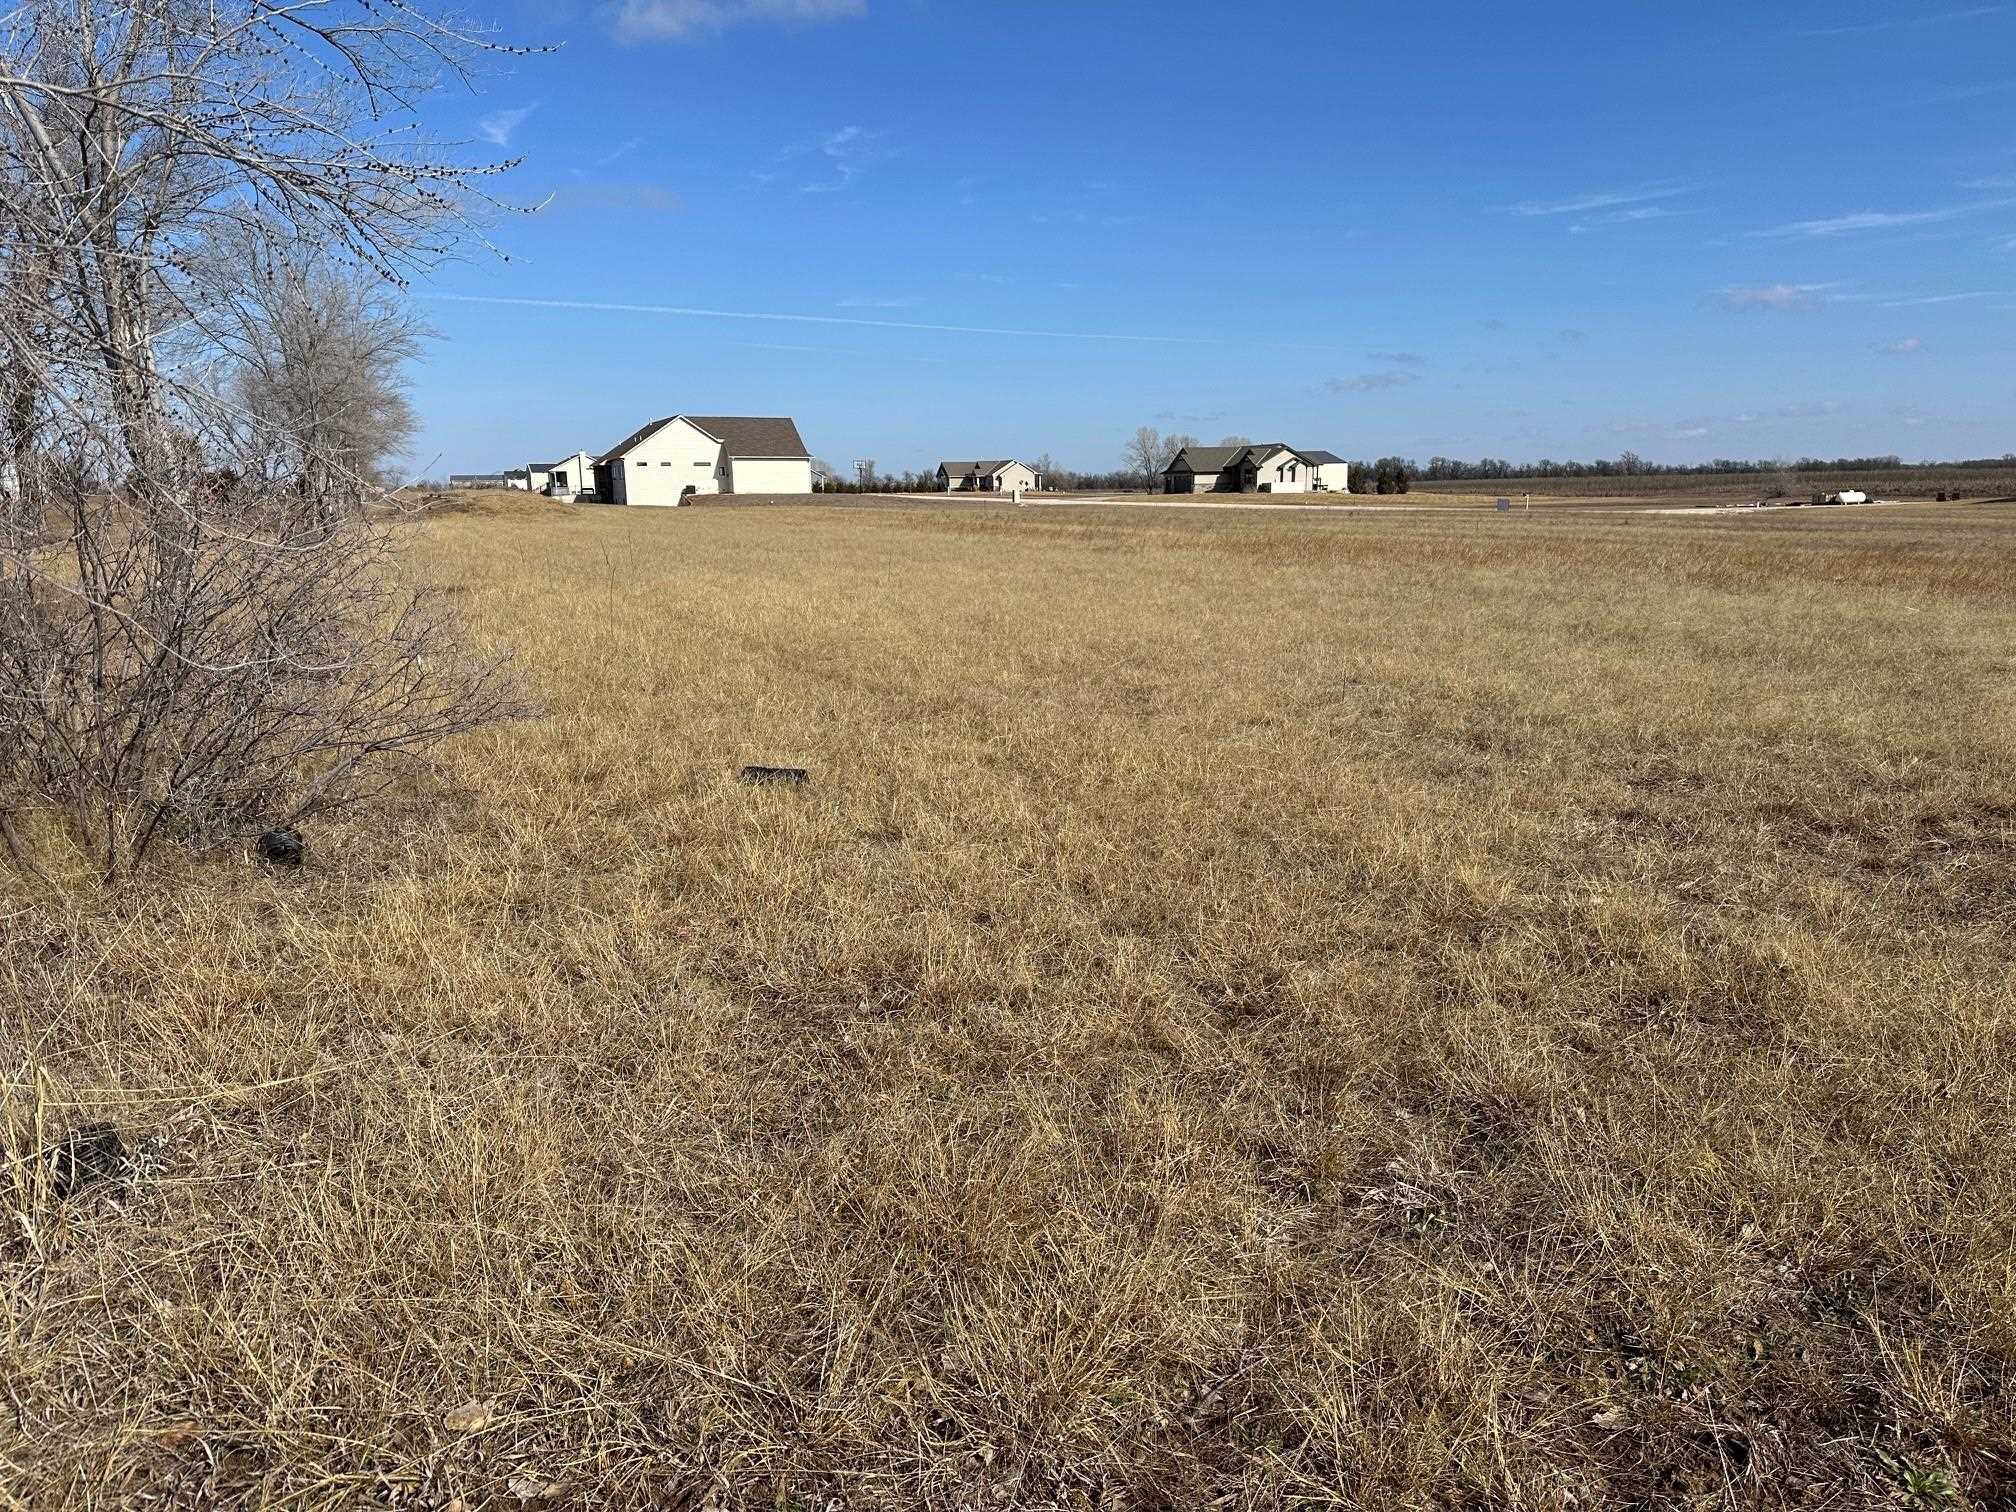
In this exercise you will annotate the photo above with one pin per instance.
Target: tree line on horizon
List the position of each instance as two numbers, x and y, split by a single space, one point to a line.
1148 452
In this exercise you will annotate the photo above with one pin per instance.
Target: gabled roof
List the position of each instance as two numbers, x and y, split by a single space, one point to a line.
986 469
1216 459
754 435
636 438
542 466
958 469
1206 459
743 435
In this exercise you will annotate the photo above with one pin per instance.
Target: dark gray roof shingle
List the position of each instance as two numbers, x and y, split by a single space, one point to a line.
754 435
743 435
1206 459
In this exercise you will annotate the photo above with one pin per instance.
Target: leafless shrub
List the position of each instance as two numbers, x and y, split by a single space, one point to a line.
200 629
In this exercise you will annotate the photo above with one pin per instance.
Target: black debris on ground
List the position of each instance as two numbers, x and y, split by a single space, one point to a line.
84 1157
769 776
283 847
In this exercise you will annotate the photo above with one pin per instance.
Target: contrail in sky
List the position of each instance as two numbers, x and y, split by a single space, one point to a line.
832 320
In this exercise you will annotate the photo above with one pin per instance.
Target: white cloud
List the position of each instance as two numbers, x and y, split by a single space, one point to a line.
691 312
1864 29
498 128
1779 296
1604 200
847 154
682 20
1902 348
1369 383
1878 220
1939 299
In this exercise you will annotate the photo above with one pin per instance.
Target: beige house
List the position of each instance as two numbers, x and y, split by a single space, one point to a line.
683 456
988 477
1270 467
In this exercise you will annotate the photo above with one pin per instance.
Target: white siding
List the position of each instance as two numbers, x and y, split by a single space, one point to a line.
770 475
578 470
657 471
1275 469
1015 475
1335 476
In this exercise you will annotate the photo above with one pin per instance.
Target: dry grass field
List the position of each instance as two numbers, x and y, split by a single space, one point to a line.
1912 483
1251 1011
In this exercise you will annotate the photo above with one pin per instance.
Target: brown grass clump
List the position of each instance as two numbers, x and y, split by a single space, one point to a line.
1251 1011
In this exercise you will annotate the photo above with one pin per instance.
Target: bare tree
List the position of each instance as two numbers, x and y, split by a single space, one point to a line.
189 642
1235 440
318 352
1143 454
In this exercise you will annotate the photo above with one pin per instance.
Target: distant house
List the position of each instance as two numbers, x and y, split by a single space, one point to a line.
671 460
987 477
1328 472
1270 467
567 478
537 475
479 480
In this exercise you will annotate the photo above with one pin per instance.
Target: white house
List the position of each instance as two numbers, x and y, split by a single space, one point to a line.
569 477
987 477
671 460
538 475
1328 472
1270 467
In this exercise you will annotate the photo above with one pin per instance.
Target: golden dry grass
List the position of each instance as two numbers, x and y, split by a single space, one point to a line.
1923 482
1252 1011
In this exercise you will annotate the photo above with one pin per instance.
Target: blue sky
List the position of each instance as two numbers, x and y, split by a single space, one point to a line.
932 228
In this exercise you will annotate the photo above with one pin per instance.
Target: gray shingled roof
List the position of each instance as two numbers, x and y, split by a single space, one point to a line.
1325 458
754 435
958 469
743 435
1207 459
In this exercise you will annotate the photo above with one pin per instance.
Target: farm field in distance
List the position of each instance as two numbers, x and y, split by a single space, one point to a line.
1921 483
1404 1010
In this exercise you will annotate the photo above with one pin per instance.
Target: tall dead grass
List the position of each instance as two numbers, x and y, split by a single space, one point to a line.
1380 1011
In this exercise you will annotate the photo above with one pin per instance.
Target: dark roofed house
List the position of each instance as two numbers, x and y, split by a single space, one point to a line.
1000 476
1265 467
680 457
